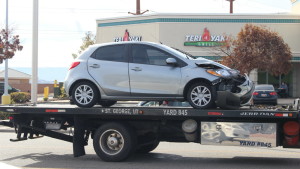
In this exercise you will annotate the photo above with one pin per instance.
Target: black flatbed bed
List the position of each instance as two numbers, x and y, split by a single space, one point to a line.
140 112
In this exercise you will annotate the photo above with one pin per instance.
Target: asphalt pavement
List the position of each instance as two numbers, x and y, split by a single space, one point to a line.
49 153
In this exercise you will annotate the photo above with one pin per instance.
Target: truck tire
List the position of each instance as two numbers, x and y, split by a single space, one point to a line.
114 142
147 148
201 96
85 94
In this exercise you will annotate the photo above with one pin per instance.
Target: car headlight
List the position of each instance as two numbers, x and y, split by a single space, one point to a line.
219 72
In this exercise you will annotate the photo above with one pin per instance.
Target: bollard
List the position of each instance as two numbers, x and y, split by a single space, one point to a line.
56 89
55 83
5 99
46 93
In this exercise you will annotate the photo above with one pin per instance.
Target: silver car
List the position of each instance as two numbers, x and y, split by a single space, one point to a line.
145 71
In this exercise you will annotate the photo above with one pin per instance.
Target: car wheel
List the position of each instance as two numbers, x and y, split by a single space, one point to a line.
85 94
107 103
114 142
201 96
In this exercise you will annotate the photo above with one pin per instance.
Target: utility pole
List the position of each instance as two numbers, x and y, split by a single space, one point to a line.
138 9
231 5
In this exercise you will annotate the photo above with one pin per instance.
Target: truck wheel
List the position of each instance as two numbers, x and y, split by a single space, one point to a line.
147 148
85 94
114 142
201 96
107 103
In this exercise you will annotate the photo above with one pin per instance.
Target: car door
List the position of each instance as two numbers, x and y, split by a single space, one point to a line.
108 65
149 73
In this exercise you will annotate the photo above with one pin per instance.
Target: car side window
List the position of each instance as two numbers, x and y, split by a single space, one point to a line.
149 55
114 53
139 54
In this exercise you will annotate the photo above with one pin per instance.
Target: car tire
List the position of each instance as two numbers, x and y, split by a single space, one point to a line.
106 103
114 142
85 94
201 96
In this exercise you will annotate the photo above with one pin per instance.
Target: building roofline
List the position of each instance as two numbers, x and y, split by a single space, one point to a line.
271 15
26 74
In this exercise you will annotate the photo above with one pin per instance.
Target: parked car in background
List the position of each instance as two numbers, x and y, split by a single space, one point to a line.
145 71
10 89
265 94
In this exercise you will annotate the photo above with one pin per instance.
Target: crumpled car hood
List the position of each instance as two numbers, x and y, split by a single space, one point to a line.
205 63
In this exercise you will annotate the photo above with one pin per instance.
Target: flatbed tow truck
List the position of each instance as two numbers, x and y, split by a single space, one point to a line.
118 132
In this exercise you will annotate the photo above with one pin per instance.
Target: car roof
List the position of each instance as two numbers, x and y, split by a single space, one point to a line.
264 85
124 42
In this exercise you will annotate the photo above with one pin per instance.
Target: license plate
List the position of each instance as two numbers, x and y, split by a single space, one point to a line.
264 95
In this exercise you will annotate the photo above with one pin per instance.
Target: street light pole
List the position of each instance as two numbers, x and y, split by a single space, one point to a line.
34 77
6 96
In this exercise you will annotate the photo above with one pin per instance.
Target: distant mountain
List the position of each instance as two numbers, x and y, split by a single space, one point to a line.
47 74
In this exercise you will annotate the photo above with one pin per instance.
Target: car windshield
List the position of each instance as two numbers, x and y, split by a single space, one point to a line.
264 87
188 55
181 53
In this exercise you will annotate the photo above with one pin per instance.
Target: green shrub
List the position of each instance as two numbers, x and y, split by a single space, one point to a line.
4 115
63 94
20 97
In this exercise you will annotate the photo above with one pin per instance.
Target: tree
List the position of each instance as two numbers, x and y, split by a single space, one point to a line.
88 40
9 44
257 47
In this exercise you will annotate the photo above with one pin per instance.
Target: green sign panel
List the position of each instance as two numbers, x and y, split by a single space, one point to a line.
204 43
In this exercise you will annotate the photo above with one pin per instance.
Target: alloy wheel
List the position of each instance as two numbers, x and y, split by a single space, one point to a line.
84 94
201 96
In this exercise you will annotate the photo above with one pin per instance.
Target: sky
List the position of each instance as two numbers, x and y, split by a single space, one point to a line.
63 23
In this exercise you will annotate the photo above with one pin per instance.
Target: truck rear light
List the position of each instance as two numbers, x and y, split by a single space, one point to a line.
273 93
215 113
74 64
255 93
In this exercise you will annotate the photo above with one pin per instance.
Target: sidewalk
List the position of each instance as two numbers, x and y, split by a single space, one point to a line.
51 100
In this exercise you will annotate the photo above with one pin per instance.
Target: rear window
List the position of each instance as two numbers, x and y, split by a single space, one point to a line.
264 87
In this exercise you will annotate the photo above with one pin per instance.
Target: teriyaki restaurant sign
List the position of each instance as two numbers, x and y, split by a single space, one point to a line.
204 40
126 37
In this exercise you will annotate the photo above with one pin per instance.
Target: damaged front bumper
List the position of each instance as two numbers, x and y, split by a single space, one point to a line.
228 99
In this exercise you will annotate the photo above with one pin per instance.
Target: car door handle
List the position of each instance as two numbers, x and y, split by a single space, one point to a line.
136 69
95 66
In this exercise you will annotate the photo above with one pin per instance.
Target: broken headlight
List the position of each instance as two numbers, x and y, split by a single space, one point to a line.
220 72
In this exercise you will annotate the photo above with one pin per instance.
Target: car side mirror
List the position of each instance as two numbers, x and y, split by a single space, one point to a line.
171 61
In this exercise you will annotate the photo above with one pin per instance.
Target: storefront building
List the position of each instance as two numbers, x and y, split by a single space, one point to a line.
200 34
